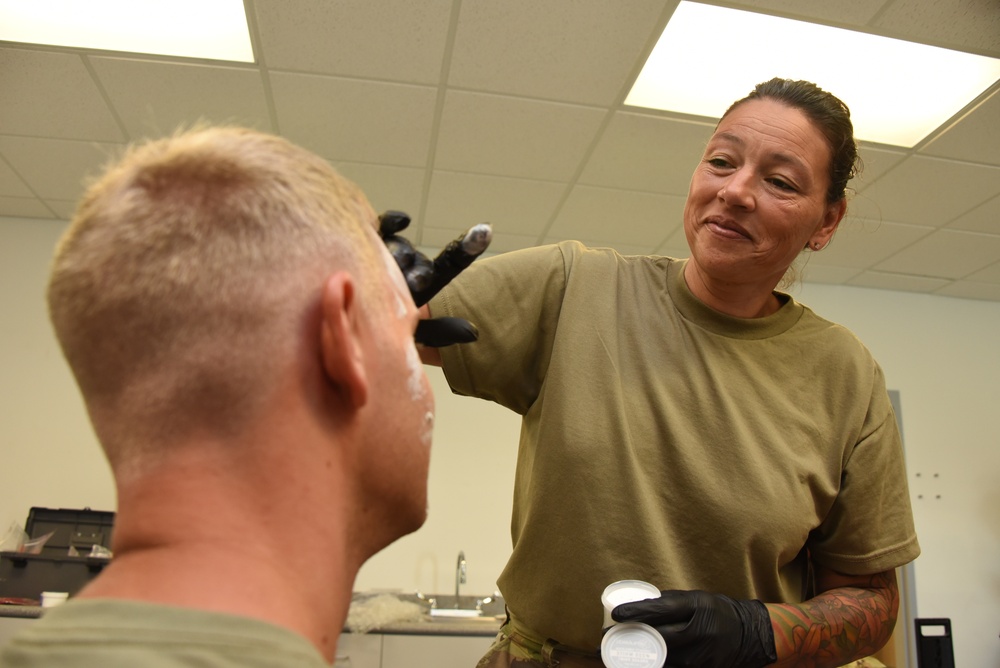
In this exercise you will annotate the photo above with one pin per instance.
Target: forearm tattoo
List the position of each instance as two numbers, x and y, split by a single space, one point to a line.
837 626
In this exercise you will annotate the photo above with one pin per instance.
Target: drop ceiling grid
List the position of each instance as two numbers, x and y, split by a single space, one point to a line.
528 126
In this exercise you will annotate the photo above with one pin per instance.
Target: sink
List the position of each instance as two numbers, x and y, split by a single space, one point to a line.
455 613
445 607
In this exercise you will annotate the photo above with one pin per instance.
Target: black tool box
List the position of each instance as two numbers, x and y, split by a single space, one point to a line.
26 576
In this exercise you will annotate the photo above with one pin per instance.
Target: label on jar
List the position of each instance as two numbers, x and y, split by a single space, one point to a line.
633 645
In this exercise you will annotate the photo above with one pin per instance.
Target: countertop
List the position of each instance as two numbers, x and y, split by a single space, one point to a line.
23 611
484 626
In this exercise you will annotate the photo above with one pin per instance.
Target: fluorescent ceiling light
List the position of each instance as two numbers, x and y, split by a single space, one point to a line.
212 29
898 92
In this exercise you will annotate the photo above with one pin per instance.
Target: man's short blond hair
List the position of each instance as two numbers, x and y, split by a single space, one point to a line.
188 272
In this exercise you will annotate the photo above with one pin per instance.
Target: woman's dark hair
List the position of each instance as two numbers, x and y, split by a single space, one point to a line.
830 115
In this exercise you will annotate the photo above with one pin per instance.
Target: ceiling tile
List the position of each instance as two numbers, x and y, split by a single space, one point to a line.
56 168
874 163
990 274
842 12
11 185
676 244
63 209
929 191
154 98
945 254
975 138
506 136
883 281
971 290
520 207
860 243
48 94
984 218
615 217
972 25
23 207
569 50
398 188
642 152
827 274
394 41
356 121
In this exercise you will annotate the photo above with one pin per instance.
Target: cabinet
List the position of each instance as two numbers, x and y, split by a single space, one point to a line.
433 651
410 651
355 650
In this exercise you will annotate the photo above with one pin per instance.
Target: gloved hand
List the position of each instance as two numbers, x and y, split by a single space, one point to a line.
706 630
425 278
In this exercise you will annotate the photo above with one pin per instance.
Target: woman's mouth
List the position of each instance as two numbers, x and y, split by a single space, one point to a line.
727 229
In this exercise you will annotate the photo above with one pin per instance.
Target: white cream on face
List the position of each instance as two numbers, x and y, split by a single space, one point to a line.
415 376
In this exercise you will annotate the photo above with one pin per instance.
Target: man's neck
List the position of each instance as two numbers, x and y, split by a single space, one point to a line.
197 541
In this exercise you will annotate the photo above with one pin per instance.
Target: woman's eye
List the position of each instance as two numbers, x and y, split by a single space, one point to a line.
718 162
782 184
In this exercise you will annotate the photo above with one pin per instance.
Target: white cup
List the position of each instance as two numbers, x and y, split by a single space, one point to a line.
632 645
50 599
625 591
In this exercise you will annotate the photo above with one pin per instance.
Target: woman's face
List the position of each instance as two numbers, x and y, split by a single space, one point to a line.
758 197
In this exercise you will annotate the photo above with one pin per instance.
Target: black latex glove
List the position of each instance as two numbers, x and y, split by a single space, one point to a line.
425 278
706 630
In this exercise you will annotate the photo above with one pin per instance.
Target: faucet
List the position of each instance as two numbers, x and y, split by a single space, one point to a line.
461 574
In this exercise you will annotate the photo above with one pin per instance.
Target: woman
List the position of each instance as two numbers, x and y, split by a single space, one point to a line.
687 425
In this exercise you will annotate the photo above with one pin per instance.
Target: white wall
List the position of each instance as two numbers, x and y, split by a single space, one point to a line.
940 353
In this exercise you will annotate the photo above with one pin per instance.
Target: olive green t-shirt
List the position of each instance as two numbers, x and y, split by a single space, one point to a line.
104 633
667 442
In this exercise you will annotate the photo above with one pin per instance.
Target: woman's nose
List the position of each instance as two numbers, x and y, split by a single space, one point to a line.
737 190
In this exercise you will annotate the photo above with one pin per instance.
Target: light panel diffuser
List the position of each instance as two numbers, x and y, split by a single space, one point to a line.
211 29
898 91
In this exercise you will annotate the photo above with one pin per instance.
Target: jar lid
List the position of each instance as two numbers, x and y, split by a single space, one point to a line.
625 591
633 645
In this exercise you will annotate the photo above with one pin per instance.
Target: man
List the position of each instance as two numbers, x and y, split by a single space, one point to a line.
244 345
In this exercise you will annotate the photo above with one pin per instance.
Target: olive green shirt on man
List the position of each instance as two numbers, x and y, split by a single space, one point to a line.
104 633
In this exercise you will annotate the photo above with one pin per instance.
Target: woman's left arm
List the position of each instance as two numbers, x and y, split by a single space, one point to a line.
852 617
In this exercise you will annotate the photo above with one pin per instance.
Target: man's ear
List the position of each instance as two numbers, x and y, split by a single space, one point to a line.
340 339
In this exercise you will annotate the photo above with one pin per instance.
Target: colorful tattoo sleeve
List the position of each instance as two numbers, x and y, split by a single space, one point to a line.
846 622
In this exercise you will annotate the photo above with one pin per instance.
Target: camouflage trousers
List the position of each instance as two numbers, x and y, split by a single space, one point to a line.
513 648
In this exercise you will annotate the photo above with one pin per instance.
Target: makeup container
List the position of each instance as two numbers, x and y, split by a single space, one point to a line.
630 644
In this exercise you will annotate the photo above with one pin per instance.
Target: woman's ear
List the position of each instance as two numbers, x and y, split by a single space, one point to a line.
831 220
340 339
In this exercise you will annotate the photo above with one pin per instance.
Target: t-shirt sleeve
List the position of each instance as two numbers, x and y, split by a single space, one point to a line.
514 300
870 527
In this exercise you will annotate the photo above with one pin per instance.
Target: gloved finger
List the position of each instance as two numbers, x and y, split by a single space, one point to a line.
671 607
392 222
402 251
419 275
441 332
455 257
417 268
